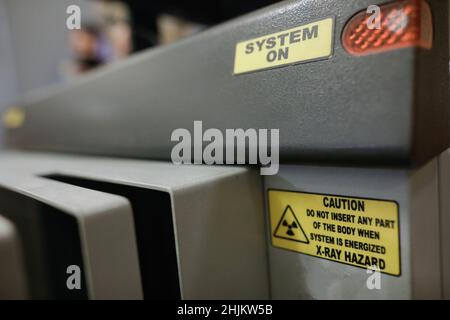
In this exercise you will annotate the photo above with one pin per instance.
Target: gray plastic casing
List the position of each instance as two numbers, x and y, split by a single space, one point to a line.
386 108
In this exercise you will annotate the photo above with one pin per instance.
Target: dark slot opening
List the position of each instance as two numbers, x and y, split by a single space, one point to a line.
50 243
154 231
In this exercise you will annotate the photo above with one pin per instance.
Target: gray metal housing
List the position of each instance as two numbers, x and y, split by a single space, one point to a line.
390 107
218 214
299 276
12 273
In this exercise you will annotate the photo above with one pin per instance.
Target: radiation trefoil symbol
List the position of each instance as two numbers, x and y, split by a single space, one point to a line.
289 228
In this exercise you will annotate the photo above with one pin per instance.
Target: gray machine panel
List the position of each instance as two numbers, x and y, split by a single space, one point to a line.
298 276
217 214
101 243
390 107
12 272
444 201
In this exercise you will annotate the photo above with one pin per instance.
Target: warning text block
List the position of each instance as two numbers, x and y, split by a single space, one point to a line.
356 231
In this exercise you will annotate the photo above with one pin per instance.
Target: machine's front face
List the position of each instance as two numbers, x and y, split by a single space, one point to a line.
297 152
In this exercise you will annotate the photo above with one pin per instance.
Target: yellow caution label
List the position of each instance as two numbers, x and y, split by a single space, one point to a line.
304 43
355 231
13 118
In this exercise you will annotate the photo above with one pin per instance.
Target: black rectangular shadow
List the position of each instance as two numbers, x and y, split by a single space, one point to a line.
153 225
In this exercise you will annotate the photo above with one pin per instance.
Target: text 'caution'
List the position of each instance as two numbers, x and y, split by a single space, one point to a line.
355 231
309 42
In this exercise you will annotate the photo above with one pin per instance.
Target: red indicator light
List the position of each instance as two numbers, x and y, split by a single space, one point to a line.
395 25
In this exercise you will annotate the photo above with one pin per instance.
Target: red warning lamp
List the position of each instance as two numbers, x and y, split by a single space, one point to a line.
395 25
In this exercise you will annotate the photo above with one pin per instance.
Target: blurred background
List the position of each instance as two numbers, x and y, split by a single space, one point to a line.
38 50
